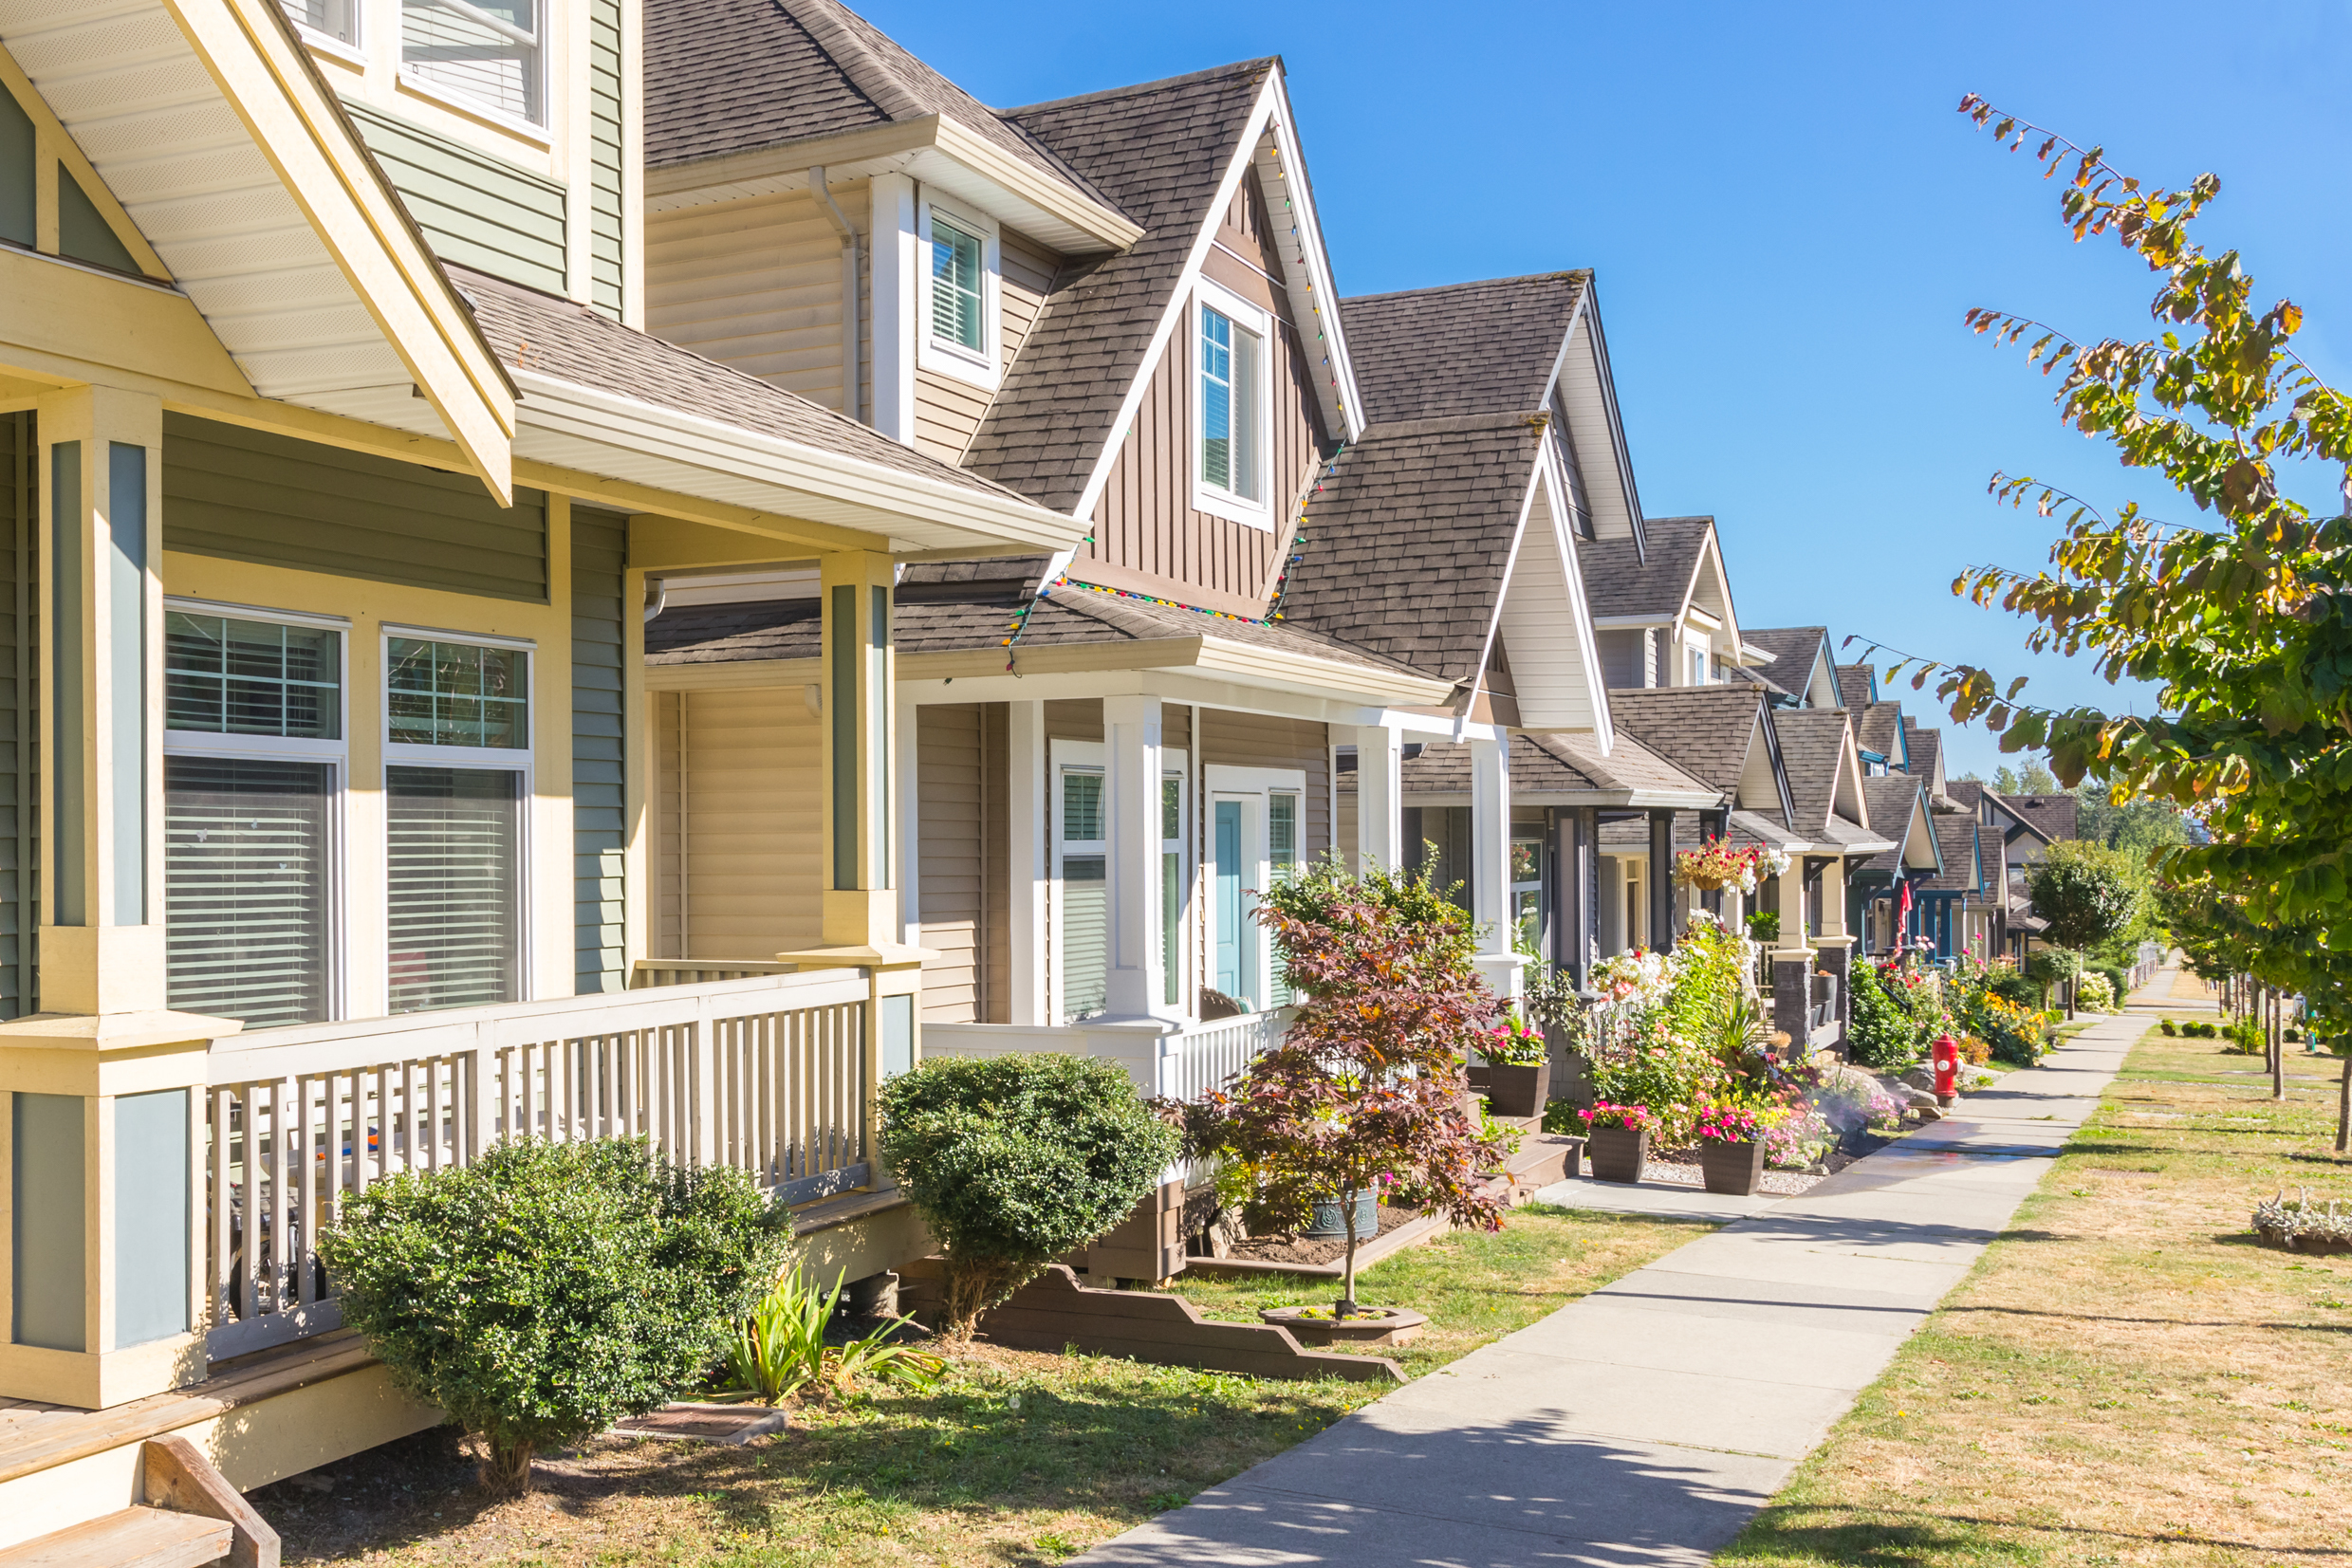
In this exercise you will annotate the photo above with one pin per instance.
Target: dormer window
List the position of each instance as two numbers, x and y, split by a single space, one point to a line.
959 296
485 55
1231 408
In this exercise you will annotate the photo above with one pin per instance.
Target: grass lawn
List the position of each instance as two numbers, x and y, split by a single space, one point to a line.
2126 1379
1021 1459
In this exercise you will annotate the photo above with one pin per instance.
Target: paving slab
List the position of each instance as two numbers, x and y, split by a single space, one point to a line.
1642 1426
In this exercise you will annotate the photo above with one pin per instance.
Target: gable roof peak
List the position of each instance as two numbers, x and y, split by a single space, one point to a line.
1256 70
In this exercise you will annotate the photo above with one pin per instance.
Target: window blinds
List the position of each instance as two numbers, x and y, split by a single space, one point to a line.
955 294
246 888
1084 905
455 885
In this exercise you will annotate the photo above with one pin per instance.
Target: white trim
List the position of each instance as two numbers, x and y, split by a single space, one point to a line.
984 368
456 634
255 612
1210 294
1061 757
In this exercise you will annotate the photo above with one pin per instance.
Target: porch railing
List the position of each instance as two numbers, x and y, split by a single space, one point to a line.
768 1074
1183 1064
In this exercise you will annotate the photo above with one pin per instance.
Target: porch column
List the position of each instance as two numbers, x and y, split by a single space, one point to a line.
1490 861
862 907
1379 797
1026 850
1137 984
1661 882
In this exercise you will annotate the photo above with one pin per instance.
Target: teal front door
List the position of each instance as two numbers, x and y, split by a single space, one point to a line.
1233 946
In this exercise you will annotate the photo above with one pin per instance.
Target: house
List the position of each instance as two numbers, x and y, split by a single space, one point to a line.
343 471
1899 805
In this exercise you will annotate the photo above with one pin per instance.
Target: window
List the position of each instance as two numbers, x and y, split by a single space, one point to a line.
1282 857
957 297
1172 888
1527 894
334 19
1230 361
1083 915
251 781
456 734
1698 666
486 54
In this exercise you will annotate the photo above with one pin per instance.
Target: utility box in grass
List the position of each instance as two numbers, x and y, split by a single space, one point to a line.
1148 1244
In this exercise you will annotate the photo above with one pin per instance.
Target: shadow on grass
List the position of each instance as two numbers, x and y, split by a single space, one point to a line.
1967 1311
1812 1533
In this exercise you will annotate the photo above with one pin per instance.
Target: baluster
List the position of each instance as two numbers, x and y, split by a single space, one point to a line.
307 1179
224 1204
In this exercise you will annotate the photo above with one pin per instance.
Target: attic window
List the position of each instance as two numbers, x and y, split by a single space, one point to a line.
334 19
959 301
486 54
955 291
1231 409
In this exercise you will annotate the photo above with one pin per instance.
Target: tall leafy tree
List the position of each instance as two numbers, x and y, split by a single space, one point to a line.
2088 893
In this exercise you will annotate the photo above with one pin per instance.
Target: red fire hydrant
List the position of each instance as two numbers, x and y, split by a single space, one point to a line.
1947 1069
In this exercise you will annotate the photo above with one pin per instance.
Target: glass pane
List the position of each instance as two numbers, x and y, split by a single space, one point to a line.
225 676
335 18
955 289
1082 807
1172 924
487 50
1282 850
1086 936
1216 400
454 836
245 888
457 693
1247 467
1171 808
1526 859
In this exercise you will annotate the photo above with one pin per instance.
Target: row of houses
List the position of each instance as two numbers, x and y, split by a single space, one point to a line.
619 567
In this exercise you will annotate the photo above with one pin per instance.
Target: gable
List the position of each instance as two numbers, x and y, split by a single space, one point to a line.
1760 788
52 201
1543 616
1587 397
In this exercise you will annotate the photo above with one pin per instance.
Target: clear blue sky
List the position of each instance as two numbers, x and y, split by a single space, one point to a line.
1788 219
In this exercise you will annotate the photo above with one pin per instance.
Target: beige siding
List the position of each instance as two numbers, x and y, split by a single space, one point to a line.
953 803
996 850
1146 532
757 284
948 411
738 824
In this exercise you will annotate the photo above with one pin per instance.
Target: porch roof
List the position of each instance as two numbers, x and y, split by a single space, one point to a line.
1898 808
1816 749
1705 729
1561 769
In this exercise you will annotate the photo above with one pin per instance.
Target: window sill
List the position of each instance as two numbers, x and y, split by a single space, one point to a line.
480 113
960 363
1217 504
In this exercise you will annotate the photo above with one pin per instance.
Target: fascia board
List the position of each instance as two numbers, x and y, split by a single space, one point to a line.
1109 228
730 674
1305 672
1705 620
1622 624
250 50
1307 253
1245 151
785 165
1780 766
862 495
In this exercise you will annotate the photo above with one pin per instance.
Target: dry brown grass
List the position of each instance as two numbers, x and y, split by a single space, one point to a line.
2127 1378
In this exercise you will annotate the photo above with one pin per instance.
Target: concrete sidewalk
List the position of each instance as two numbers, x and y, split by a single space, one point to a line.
1645 1424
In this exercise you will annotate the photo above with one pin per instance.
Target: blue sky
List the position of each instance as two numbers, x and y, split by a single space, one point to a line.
1788 219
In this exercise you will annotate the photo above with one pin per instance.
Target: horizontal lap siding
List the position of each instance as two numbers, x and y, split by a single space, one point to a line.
1255 740
20 780
739 823
756 285
599 762
951 802
949 410
247 495
477 210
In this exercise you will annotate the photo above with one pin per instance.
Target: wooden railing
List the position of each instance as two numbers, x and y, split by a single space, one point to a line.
770 1075
1181 1065
701 971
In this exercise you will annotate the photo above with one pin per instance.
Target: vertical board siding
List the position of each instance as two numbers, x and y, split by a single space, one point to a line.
477 210
246 495
19 783
1255 740
604 118
1145 520
951 802
757 284
738 823
600 757
996 862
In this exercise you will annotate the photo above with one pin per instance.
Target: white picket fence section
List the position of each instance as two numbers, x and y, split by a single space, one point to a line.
768 1074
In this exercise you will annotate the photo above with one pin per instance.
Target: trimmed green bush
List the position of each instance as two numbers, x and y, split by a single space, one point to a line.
2168 1027
1014 1160
548 1290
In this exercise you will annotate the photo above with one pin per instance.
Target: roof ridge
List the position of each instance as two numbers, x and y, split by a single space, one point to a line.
1140 89
1574 275
1447 423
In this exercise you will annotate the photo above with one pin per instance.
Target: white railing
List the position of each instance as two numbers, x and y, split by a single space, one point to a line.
701 971
1182 1063
768 1073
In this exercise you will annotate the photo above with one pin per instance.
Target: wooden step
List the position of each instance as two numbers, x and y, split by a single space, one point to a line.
136 1537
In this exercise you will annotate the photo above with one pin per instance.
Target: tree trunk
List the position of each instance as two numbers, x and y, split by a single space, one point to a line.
1347 1269
508 1469
2278 1045
2343 1106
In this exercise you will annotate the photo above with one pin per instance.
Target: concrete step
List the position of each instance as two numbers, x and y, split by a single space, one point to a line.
135 1538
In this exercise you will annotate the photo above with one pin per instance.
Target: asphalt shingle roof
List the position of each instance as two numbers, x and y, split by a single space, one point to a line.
1924 747
1793 649
1703 730
1812 749
2055 815
1484 347
1892 798
1550 765
726 76
1619 581
1855 684
1409 537
1878 727
1158 152
538 332
1955 834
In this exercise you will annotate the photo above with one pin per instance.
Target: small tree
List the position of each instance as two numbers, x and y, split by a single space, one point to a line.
2088 892
548 1290
1014 1160
1368 1080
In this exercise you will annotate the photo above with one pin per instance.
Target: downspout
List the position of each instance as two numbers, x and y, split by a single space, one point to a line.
851 401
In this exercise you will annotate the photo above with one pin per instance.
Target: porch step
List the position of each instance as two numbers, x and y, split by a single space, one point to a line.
136 1537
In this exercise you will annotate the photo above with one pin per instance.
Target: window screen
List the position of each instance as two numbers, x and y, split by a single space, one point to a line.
488 52
1228 406
955 291
454 836
224 676
245 889
456 693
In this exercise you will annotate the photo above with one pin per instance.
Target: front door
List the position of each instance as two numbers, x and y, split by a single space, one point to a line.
1232 936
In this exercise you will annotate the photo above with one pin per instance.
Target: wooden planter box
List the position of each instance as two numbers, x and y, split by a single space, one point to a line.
1735 1170
1616 1153
1518 1091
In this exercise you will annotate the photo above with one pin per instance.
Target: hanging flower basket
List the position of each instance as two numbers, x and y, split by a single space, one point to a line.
1720 863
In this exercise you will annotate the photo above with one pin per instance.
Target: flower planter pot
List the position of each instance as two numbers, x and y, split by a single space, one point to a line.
1326 1220
1735 1170
1616 1153
1373 1326
1518 1091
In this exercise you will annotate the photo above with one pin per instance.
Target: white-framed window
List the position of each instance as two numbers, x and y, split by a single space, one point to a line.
1527 887
1232 398
255 763
488 55
959 295
1245 804
1694 657
1173 882
1082 908
458 784
333 22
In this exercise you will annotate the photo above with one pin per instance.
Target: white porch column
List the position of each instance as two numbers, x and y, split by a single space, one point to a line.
1026 792
1137 984
898 265
1379 797
1490 861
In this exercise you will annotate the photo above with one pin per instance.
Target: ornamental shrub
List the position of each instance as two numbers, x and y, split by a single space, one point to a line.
1885 1035
1014 1160
2168 1027
548 1290
2093 992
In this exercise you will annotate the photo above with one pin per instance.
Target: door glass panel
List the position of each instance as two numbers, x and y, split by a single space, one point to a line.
1282 854
1235 970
